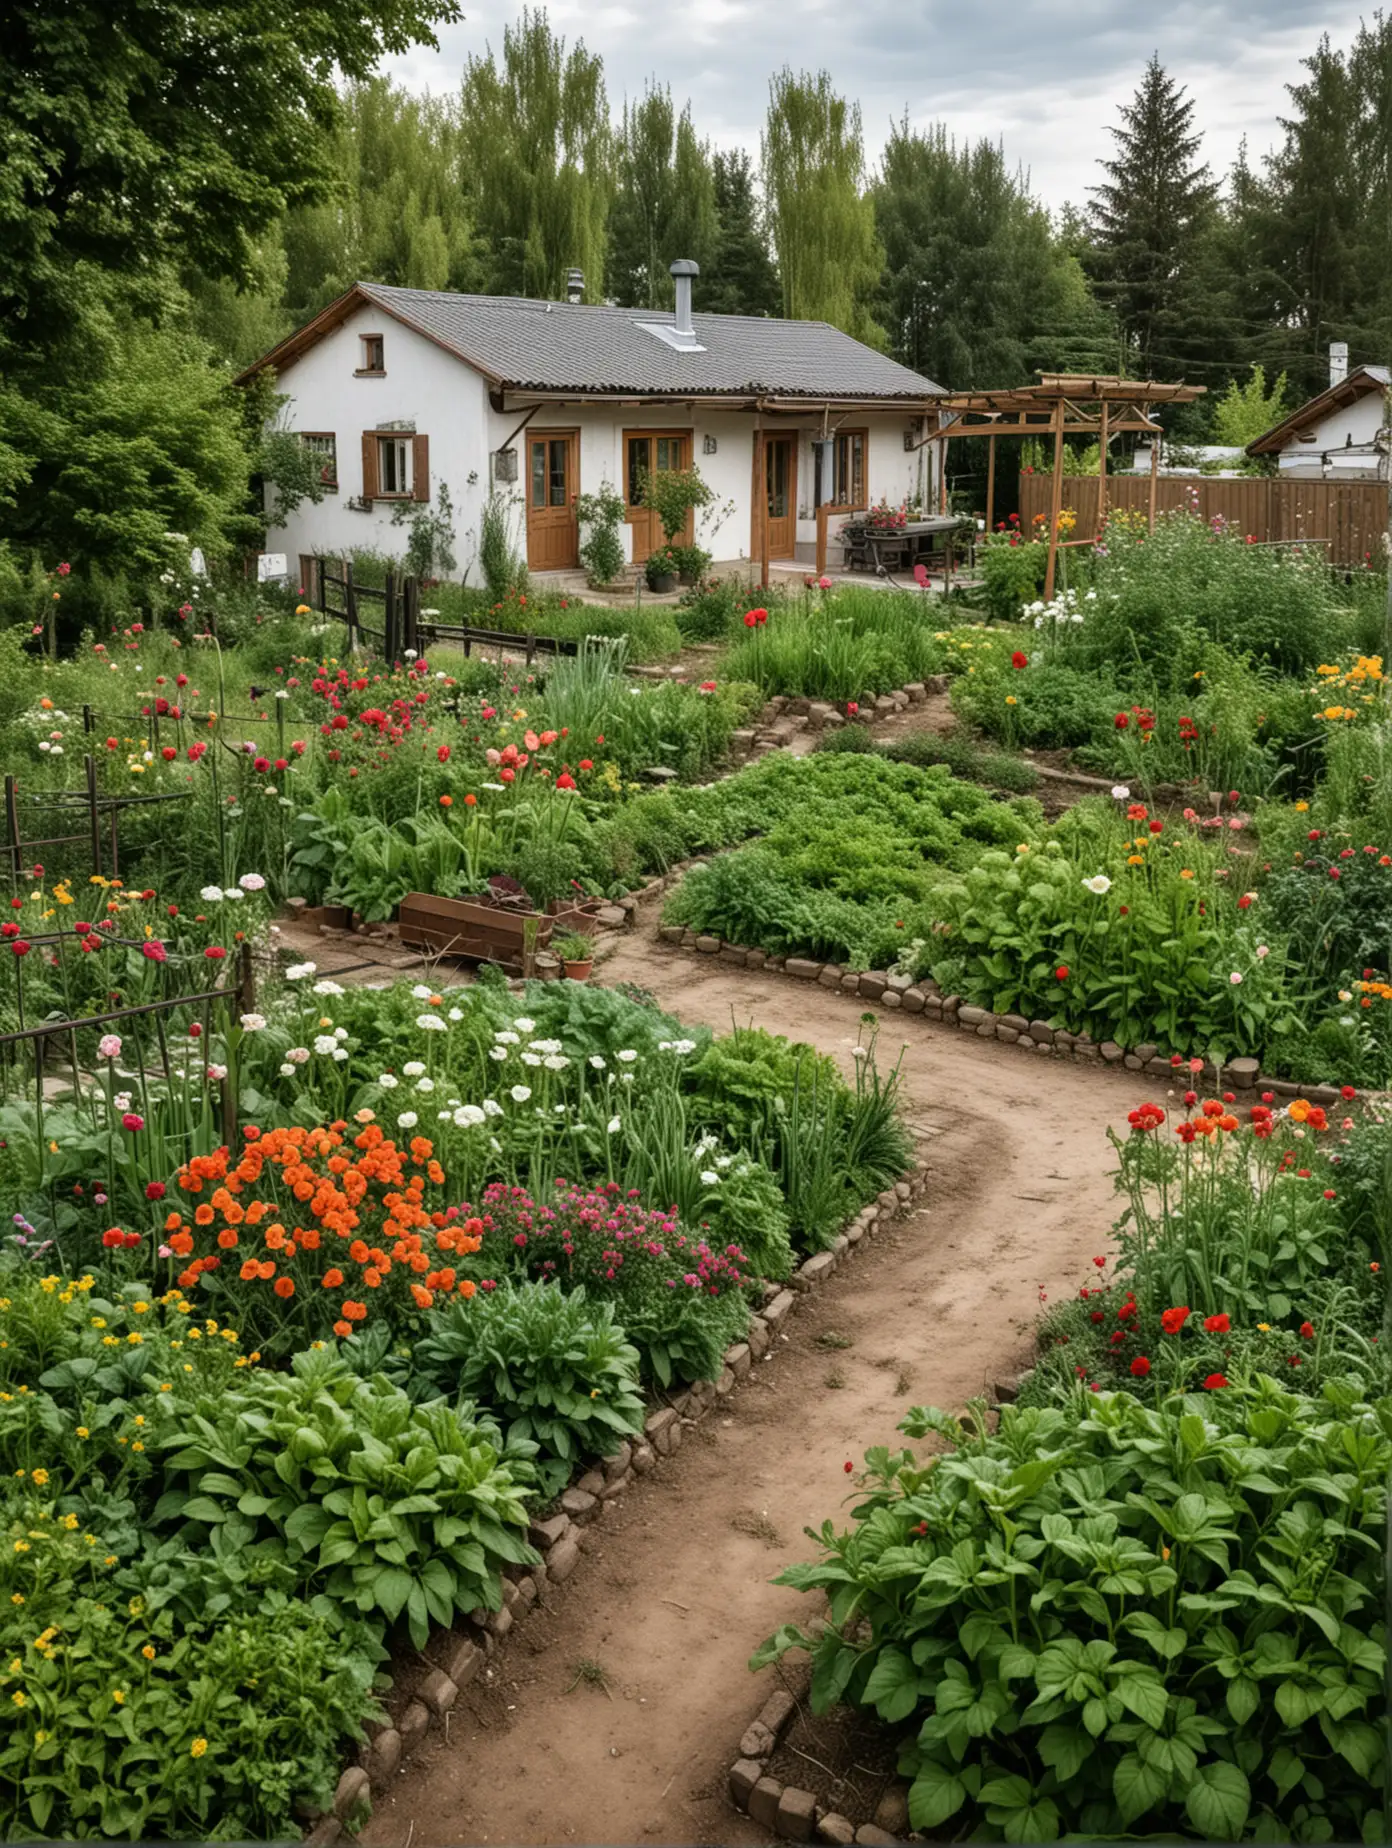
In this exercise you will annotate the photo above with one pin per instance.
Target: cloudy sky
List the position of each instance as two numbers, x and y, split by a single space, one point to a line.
1043 76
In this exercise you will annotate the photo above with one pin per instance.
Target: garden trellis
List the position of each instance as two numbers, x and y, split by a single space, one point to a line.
1060 405
89 803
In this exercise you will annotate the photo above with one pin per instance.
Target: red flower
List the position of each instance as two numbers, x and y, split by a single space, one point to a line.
749 619
848 1466
1061 973
1245 901
169 753
215 952
1121 721
1329 1193
1217 1324
21 948
585 764
1308 1330
443 754
261 765
1347 1092
565 780
1215 1382
852 708
1174 1319
154 951
1101 1263
1019 659
112 1238
1157 827
1140 1366
132 1122
446 801
154 1190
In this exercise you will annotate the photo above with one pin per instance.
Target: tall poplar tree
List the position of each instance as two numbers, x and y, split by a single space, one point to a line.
664 200
822 219
537 148
1148 213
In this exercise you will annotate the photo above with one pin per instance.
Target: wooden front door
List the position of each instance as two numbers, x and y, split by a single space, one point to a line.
780 467
553 484
648 452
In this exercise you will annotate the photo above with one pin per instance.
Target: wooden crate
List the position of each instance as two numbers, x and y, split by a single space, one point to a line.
483 933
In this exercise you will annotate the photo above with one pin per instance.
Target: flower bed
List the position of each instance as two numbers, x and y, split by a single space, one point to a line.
1150 1598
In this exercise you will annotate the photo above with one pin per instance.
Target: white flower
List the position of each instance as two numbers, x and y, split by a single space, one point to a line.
555 1062
524 1025
1099 883
456 1013
252 882
1120 792
324 1044
407 1120
520 1093
217 1073
211 894
626 1077
546 1045
497 1052
234 892
682 1047
121 1101
420 992
614 1126
491 1107
109 1046
431 1023
859 1052
469 1116
339 1054
253 1023
597 1061
425 1086
300 971
723 1161
504 1038
627 1056
1236 978
326 988
340 1033
387 1082
709 1178
531 1058
413 1069
298 1055
287 1070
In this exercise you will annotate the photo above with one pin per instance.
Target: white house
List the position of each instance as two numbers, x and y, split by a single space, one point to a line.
401 390
1333 436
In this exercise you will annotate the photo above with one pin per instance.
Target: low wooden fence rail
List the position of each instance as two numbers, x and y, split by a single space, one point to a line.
403 630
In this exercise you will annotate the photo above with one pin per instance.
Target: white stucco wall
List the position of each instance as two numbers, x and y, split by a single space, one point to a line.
448 402
1356 424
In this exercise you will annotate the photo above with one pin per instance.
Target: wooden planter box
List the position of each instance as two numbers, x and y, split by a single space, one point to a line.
467 927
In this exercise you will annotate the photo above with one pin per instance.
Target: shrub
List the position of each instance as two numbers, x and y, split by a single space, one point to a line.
1012 572
555 1367
602 553
1102 1620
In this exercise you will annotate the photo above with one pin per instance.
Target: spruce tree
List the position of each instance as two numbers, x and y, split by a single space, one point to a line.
741 277
1148 213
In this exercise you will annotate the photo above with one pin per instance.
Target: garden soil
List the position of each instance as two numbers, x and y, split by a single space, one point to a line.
673 1592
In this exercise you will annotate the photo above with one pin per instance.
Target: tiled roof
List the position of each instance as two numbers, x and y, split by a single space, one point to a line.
563 346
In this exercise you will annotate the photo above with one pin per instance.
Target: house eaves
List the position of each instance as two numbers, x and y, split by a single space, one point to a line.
1361 381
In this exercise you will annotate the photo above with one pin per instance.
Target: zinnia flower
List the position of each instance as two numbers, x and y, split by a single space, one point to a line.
1215 1382
1140 1366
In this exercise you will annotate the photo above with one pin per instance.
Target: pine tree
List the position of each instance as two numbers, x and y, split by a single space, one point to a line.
1148 213
822 219
664 203
741 277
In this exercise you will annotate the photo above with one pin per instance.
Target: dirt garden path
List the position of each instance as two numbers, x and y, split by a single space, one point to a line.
673 1593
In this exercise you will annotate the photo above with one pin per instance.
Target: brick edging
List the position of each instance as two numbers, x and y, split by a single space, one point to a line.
927 998
786 1809
459 1654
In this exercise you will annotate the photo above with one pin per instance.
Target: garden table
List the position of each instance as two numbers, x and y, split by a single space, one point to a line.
868 550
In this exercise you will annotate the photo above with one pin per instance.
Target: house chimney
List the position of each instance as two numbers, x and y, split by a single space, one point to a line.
575 285
682 272
1338 361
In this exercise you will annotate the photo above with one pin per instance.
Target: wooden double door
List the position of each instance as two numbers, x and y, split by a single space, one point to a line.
553 489
647 453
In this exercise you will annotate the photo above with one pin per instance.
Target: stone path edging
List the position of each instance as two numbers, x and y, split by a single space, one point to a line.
459 1654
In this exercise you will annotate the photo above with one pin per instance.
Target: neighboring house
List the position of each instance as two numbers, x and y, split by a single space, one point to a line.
1333 437
399 390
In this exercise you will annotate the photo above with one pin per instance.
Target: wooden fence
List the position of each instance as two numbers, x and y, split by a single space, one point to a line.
1349 518
403 630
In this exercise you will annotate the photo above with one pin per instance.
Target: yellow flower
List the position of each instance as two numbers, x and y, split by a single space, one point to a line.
41 1476
148 1652
137 1445
110 1560
41 1737
70 1522
21 1546
1186 873
19 1697
1164 1552
1301 807
99 1321
17 1597
1135 859
198 1748
119 1696
82 1431
135 1340
139 1308
1264 1327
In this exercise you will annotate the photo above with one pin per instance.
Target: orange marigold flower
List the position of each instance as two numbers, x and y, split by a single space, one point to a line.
249 1270
285 1286
372 1277
358 1252
265 1270
332 1279
227 1238
203 1215
342 1328
181 1243
422 1297
467 1288
355 1312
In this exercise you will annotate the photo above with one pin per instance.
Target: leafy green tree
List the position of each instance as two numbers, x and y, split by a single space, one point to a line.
822 218
978 289
664 201
143 132
741 277
1247 411
1148 212
537 148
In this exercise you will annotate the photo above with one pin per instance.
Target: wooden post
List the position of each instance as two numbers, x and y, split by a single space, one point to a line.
761 500
1102 473
391 641
990 483
12 825
1154 470
1055 502
89 765
943 442
350 604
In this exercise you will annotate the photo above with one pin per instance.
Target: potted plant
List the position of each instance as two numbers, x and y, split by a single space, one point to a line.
673 494
602 554
661 571
576 952
691 561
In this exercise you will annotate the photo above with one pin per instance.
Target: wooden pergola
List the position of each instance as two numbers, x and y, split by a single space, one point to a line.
1061 404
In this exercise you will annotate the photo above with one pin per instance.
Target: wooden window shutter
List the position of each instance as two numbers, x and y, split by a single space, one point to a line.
369 487
420 468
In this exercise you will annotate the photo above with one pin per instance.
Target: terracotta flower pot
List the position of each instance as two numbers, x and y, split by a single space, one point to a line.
579 971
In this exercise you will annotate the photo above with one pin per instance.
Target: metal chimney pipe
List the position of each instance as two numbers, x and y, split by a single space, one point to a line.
682 273
1338 361
575 285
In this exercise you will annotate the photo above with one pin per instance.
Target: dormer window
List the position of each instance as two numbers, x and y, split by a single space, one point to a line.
371 355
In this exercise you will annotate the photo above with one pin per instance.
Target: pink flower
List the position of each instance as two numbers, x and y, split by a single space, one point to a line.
109 1046
132 1122
154 951
823 583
